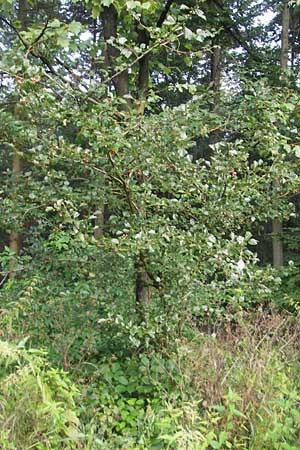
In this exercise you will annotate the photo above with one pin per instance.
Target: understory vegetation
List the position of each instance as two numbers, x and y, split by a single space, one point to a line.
233 384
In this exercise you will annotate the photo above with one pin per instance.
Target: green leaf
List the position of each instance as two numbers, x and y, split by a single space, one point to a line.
96 11
252 241
126 52
71 417
188 61
106 2
72 433
54 24
146 5
123 380
132 4
63 40
188 34
170 20
75 27
297 151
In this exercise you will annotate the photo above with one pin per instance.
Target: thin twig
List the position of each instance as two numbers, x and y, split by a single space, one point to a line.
3 279
39 37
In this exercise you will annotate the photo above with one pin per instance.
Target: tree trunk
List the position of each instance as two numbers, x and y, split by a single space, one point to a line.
110 22
143 283
17 161
277 243
215 78
215 72
109 18
143 286
284 56
99 223
121 85
143 75
277 227
17 166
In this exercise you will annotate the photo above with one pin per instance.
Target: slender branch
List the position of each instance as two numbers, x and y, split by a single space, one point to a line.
15 30
235 32
143 72
4 278
37 39
164 13
237 37
75 84
77 78
28 47
137 59
132 205
45 61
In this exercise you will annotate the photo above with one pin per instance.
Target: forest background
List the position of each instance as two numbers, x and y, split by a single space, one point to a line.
149 226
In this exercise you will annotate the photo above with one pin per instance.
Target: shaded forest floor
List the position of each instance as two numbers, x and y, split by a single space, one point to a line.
234 384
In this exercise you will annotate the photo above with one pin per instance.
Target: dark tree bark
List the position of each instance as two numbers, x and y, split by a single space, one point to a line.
110 24
277 227
17 161
143 74
215 78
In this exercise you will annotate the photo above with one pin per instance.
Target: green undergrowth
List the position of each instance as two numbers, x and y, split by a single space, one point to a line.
236 387
37 403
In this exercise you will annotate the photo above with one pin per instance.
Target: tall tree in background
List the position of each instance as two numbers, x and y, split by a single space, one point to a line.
17 160
277 228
